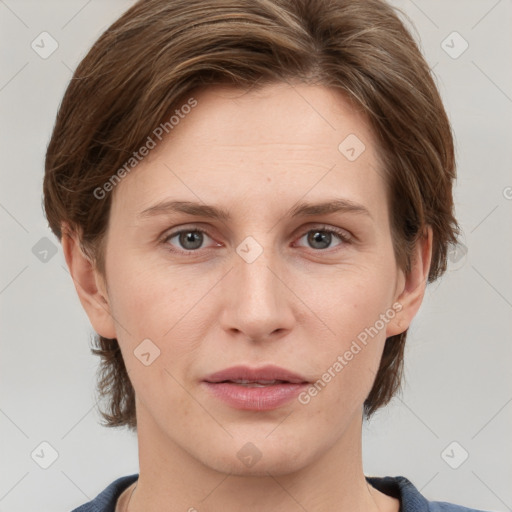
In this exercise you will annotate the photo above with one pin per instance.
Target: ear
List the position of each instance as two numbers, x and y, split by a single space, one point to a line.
89 284
411 287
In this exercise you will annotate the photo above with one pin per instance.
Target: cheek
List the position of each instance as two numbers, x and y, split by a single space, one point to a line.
171 309
357 310
353 302
345 378
149 299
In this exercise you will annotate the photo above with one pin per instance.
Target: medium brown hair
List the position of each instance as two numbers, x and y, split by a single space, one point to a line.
145 64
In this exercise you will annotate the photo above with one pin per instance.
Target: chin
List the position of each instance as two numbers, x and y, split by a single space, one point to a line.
250 459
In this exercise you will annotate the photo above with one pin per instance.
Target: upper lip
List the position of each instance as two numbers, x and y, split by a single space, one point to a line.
265 373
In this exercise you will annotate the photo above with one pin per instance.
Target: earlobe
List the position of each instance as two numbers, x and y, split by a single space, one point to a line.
412 289
89 285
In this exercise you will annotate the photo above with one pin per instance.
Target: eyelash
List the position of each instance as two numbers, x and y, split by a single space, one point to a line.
342 234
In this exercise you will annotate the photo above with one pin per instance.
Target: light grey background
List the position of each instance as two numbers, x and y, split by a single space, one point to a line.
458 377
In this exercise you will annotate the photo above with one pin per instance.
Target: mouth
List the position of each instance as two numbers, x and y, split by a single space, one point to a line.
254 384
266 375
255 389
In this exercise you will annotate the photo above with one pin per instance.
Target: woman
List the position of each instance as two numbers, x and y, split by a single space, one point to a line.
251 197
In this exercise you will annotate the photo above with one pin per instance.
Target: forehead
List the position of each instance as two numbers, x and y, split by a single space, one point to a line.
274 113
282 137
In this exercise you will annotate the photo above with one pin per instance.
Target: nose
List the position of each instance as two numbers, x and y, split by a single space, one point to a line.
259 303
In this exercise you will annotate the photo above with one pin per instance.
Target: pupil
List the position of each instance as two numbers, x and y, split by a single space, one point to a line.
321 237
191 236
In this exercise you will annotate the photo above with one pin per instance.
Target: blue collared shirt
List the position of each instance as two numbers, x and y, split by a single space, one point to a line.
398 487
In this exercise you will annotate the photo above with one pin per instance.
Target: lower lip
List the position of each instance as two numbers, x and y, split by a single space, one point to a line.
255 398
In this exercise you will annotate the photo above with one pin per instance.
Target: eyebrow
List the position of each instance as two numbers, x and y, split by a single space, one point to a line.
303 209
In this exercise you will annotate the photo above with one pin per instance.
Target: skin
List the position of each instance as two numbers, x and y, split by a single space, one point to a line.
297 306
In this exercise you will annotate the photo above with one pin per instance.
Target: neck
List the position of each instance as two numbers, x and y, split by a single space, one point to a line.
170 479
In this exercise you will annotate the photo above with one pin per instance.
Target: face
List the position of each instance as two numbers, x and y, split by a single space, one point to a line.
273 281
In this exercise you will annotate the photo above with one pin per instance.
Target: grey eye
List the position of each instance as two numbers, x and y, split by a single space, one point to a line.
188 239
322 238
319 239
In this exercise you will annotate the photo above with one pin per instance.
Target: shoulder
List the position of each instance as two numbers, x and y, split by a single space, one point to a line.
106 500
411 500
442 506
